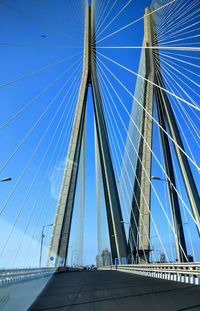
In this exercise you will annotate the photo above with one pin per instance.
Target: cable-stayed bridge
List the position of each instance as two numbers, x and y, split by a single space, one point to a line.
101 146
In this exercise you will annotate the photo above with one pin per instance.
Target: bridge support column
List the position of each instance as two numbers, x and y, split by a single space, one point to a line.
61 233
142 187
165 115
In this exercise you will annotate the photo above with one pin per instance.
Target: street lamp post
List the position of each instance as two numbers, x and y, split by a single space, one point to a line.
41 244
152 246
74 257
159 178
70 247
6 179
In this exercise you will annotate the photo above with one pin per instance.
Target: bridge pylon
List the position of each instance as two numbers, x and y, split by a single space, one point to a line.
61 233
154 92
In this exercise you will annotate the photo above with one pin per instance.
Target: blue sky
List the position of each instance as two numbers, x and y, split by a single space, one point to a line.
36 34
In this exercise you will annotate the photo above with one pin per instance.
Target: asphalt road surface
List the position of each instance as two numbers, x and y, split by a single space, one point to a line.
114 291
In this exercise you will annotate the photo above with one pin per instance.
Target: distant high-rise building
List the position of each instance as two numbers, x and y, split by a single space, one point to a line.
104 259
162 257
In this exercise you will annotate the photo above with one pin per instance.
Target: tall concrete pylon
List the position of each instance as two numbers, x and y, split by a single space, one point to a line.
155 89
142 187
61 232
140 220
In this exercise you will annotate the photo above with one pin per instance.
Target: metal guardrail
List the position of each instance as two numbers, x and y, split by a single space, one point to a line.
13 276
180 272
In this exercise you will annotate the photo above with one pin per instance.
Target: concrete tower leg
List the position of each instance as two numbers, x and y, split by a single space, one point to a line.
61 232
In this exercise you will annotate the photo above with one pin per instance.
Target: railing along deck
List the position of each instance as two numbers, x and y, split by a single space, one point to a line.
180 272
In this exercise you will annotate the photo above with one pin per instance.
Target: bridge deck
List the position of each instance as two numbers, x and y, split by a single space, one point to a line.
111 290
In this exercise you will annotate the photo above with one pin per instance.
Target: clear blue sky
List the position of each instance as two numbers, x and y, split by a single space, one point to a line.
36 34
